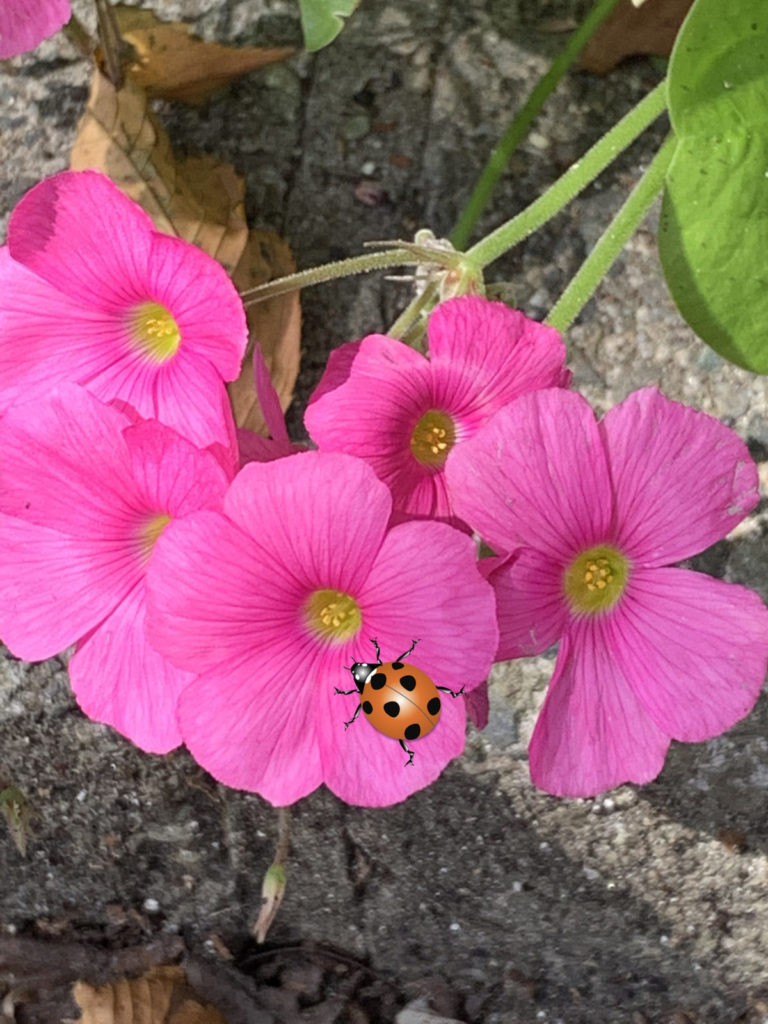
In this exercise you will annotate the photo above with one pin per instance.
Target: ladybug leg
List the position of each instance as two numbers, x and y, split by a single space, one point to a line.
453 693
403 656
346 693
375 643
357 712
408 752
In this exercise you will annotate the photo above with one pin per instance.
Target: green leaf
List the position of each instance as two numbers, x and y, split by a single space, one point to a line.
321 20
713 239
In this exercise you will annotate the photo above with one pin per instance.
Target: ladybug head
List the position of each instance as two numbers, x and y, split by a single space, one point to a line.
360 671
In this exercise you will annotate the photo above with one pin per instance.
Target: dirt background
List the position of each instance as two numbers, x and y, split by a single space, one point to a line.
480 897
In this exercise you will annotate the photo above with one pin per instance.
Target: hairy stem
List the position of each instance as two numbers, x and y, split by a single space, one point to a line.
612 241
329 272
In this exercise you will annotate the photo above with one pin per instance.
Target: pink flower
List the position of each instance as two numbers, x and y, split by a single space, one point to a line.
91 293
84 495
404 413
270 601
591 515
25 23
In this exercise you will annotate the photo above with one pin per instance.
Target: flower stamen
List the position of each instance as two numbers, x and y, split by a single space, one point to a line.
155 331
432 438
595 579
333 615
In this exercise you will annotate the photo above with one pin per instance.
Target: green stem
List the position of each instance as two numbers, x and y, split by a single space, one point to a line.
329 272
522 121
413 311
575 179
612 241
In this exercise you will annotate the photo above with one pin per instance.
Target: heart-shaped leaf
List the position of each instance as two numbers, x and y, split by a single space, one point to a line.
714 225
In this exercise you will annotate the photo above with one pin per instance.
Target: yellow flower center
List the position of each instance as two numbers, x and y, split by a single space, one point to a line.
333 615
150 531
155 331
595 580
433 437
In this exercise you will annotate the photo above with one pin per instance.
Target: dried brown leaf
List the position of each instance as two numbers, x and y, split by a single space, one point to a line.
199 199
276 324
161 996
633 30
14 807
173 63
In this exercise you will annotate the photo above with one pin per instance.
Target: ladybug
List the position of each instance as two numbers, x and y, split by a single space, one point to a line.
399 700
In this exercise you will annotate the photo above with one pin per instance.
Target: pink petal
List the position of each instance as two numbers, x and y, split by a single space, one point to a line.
214 595
268 399
420 492
531 607
120 680
55 588
47 337
250 723
204 303
373 412
254 448
324 514
337 369
79 233
681 479
535 475
171 473
478 706
484 354
426 584
25 23
376 352
693 649
592 733
65 466
190 396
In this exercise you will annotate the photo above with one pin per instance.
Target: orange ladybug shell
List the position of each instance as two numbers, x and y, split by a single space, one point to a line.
401 701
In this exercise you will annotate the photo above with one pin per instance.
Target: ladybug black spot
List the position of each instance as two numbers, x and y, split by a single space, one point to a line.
408 683
397 665
377 681
433 706
392 708
413 732
367 707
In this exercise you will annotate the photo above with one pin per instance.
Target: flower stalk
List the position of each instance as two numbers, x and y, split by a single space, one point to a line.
612 241
273 886
398 257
